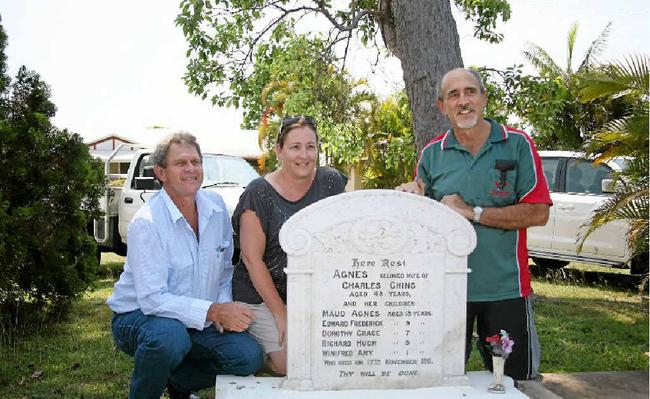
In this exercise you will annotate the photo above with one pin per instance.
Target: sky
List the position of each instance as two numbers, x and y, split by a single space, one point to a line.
116 67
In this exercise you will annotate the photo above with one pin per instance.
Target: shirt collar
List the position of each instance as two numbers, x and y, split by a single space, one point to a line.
204 204
174 212
498 133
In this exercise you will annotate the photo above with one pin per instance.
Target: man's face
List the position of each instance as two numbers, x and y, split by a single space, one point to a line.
183 175
462 101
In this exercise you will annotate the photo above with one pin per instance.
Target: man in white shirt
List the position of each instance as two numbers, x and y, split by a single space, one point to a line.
173 302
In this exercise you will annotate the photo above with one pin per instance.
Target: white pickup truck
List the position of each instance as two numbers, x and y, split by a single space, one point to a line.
226 174
578 187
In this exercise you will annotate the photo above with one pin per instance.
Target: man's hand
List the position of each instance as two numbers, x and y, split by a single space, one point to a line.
456 202
415 187
233 316
511 217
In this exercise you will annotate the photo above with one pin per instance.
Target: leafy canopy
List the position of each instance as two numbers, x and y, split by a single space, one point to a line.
289 78
224 36
549 103
355 128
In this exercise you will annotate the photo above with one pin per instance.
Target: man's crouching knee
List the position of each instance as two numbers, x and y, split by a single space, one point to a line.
249 357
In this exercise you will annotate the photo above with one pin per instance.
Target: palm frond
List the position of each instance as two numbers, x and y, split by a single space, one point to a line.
541 60
630 203
638 235
627 136
634 71
596 47
627 78
570 45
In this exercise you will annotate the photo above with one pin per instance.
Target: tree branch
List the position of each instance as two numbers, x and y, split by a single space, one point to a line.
322 9
345 52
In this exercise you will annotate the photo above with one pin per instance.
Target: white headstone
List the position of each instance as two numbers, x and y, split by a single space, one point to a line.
377 284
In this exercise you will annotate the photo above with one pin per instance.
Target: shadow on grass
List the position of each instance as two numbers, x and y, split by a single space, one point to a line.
591 278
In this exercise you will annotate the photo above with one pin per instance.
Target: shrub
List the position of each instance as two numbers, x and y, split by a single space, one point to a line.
49 190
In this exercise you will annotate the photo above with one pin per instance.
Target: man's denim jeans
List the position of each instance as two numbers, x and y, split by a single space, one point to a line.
166 351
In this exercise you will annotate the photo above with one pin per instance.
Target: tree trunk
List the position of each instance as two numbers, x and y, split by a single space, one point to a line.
406 26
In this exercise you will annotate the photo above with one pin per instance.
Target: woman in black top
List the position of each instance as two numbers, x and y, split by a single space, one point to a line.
265 205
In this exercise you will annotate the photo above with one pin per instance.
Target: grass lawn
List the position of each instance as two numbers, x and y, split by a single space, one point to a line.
581 329
72 359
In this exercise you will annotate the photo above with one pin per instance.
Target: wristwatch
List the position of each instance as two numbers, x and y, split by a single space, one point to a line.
478 211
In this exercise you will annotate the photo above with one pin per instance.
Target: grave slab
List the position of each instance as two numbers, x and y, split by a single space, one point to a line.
231 387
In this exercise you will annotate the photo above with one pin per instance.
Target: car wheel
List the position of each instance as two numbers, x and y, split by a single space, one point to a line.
550 263
639 265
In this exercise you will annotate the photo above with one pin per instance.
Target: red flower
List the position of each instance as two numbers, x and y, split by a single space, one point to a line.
494 338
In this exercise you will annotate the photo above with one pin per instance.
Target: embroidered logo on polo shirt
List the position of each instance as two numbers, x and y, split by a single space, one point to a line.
503 166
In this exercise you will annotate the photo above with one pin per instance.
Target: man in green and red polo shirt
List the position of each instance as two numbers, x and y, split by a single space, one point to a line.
492 175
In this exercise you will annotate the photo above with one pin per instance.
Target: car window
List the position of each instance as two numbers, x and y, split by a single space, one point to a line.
550 167
584 177
145 169
227 169
621 162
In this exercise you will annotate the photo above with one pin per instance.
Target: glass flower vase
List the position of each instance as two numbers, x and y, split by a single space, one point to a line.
497 386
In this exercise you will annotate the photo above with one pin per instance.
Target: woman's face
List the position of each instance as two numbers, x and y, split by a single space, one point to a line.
299 153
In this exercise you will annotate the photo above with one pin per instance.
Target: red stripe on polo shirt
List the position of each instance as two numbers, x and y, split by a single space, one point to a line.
430 143
505 129
539 193
522 264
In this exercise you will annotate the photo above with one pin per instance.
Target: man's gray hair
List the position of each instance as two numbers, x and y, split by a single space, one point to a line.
159 156
477 76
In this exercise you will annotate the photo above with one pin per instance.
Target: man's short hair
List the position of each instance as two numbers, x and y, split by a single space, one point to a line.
477 76
159 156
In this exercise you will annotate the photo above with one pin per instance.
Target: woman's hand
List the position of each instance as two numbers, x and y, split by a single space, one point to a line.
281 322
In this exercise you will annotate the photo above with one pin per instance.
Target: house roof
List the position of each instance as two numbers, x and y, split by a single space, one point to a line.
243 143
109 137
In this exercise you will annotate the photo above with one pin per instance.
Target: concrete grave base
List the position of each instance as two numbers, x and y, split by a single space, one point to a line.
231 387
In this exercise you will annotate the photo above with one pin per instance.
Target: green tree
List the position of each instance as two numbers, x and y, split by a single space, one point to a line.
525 101
548 103
626 136
562 122
49 188
295 76
389 156
224 35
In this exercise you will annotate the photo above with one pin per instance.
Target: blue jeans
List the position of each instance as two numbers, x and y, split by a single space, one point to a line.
166 351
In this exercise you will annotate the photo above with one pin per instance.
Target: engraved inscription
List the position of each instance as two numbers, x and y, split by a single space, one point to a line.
376 317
